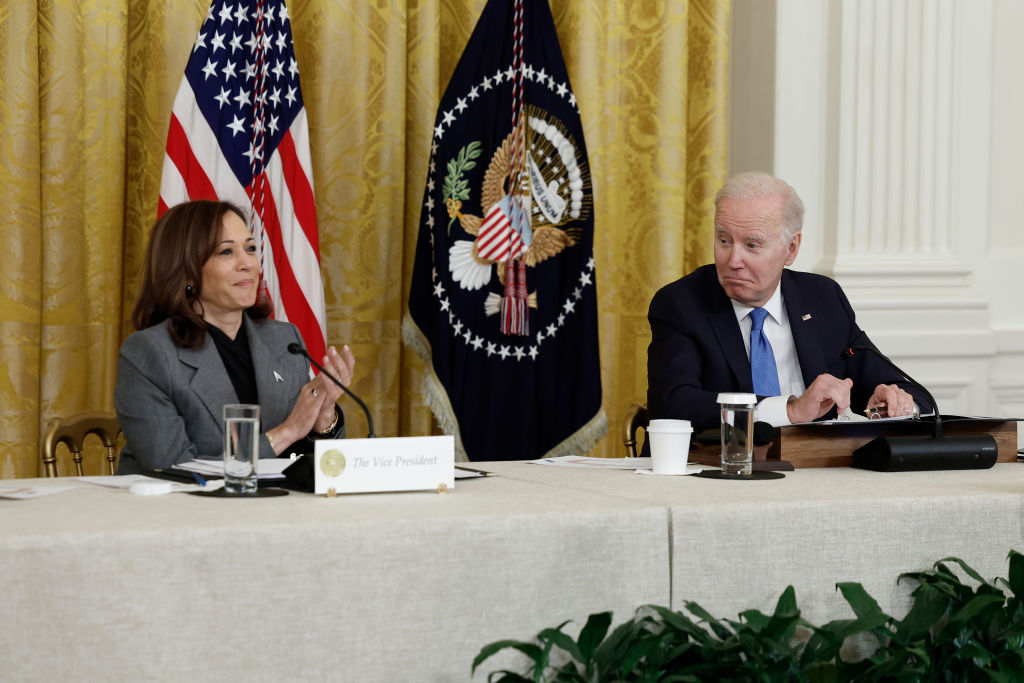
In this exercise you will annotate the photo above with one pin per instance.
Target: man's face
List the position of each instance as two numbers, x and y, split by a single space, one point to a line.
750 250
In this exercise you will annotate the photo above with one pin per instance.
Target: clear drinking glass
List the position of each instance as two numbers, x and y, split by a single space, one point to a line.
241 447
737 433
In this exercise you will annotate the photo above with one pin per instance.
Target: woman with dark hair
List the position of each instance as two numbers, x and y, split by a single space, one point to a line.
204 340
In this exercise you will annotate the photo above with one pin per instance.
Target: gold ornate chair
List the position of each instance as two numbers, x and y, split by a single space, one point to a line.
72 432
636 418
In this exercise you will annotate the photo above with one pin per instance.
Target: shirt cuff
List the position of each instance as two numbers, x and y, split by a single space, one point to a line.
773 411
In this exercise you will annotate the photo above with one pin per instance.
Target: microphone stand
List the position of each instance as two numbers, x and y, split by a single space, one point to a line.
918 453
299 351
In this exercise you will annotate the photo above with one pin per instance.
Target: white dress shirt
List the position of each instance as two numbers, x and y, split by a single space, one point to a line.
776 327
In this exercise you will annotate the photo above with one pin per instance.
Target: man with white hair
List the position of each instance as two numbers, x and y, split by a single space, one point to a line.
748 324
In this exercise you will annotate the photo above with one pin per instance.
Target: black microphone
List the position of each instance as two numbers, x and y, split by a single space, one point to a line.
913 453
297 349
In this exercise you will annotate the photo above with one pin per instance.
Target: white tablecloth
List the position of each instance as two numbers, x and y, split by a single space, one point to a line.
103 585
737 544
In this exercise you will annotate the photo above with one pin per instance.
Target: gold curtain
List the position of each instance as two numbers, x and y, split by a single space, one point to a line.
86 88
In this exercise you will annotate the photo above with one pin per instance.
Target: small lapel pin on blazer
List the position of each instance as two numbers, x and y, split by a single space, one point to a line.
278 377
806 316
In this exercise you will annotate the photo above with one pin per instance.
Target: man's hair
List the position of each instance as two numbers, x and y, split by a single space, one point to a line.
183 239
758 185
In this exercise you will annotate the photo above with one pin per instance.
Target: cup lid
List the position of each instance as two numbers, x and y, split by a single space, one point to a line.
665 422
738 399
669 429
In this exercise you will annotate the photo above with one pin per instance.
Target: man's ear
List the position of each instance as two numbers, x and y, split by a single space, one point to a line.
793 248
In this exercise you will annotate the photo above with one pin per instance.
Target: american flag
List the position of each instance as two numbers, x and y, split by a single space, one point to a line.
238 132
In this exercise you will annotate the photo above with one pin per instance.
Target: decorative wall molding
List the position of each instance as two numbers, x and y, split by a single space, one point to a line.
897 107
885 119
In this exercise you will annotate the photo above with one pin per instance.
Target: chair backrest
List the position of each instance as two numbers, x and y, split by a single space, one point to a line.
72 432
636 417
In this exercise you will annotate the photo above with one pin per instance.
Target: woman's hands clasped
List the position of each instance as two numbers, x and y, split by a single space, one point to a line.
341 366
314 407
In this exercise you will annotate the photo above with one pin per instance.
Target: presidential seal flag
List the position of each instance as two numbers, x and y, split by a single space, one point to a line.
238 132
503 304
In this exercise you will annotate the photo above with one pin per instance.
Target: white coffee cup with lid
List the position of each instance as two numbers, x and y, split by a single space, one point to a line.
670 445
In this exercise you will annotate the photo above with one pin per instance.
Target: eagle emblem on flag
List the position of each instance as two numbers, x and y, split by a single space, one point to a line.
555 202
503 301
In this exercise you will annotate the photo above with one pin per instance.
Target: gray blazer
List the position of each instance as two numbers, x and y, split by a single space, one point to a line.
169 400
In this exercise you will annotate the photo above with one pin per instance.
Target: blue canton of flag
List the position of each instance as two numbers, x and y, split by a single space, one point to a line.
507 220
238 132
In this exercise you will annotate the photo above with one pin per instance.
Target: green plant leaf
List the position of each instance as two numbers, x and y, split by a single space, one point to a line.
952 632
976 606
755 619
507 677
679 622
787 602
823 672
593 633
929 606
1001 677
637 651
562 640
942 583
529 649
974 652
1016 574
705 616
613 648
860 601
784 620
966 568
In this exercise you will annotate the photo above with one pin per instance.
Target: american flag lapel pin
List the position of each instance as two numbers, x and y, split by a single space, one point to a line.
806 316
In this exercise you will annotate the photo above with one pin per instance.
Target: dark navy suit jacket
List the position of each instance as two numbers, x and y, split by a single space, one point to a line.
697 347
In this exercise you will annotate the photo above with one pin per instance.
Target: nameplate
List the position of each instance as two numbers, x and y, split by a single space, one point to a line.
407 463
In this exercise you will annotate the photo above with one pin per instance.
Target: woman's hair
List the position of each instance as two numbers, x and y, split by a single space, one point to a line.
183 239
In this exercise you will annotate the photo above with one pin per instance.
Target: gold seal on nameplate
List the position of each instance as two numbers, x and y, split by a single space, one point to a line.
332 463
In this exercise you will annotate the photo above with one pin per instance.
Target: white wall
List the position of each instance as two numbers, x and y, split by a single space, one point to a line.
901 125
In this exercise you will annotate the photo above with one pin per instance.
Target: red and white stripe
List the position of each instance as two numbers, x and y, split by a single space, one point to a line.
497 240
194 168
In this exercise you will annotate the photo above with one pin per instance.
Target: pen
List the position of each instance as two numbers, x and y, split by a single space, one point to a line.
199 480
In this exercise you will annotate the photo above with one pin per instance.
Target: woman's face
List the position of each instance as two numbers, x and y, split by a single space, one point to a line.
231 274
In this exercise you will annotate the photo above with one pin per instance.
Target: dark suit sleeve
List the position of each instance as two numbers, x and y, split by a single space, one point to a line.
865 369
676 365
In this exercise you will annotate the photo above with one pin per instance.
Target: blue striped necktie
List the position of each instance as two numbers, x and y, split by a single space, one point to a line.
763 372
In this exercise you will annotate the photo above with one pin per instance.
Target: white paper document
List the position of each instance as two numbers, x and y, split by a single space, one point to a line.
638 465
125 481
691 468
850 416
266 468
